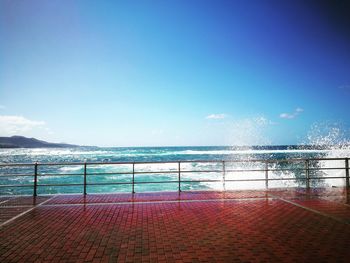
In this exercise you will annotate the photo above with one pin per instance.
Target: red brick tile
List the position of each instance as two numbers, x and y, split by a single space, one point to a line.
241 226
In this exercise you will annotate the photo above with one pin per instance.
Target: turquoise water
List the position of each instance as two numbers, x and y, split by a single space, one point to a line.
73 174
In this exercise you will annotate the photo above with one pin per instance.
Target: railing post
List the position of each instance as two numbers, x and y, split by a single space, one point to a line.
347 173
266 175
307 174
179 176
133 178
223 175
85 178
35 179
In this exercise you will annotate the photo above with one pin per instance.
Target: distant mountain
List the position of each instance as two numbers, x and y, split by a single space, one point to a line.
24 142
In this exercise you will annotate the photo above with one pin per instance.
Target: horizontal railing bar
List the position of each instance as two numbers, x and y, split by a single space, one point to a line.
140 162
109 173
156 172
327 177
128 163
60 184
288 178
201 171
16 185
264 170
260 160
326 168
239 180
60 164
248 170
156 182
284 169
104 163
16 164
182 181
181 161
14 175
59 174
272 179
112 183
201 181
175 172
140 172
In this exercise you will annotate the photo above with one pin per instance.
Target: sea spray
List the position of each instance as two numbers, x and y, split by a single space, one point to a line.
116 173
333 138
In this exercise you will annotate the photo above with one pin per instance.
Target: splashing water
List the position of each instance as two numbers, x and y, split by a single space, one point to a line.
328 141
332 137
328 136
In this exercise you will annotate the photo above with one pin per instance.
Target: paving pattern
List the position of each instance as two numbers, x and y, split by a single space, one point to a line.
278 225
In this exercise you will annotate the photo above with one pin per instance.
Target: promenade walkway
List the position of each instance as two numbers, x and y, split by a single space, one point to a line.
281 225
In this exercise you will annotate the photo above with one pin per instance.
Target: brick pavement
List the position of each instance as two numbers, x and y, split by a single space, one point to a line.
282 225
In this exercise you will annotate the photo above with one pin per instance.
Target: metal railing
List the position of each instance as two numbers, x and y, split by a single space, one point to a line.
309 166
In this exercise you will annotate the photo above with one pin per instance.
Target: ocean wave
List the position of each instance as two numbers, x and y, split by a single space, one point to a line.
252 151
113 154
52 151
70 168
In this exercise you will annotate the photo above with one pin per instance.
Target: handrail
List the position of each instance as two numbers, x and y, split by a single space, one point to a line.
307 167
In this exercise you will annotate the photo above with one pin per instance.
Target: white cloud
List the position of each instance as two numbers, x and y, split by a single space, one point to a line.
216 116
17 125
293 115
287 116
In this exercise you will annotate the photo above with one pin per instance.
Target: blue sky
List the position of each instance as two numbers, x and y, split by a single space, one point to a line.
156 73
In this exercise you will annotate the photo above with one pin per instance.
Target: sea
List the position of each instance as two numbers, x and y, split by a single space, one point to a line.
157 168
